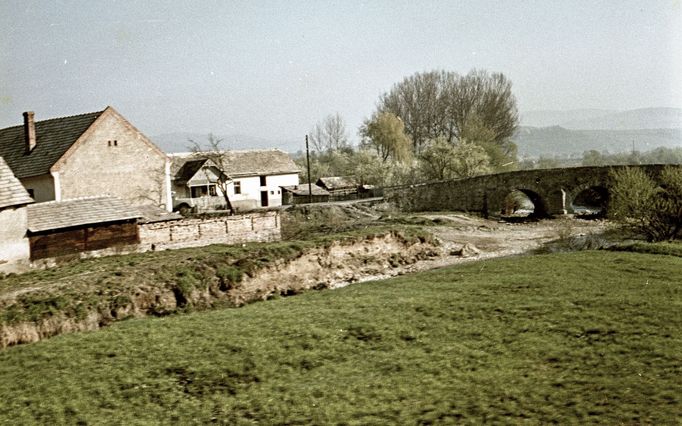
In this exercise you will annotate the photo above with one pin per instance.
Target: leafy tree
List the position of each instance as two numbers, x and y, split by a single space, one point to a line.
443 104
442 160
385 133
645 207
368 168
330 134
593 158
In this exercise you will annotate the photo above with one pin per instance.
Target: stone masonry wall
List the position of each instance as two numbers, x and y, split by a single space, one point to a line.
555 189
251 227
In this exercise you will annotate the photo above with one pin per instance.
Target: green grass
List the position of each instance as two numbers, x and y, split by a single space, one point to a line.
572 338
108 285
670 248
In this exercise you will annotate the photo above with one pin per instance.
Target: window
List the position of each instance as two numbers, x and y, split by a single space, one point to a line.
262 181
109 143
30 192
211 191
237 187
272 192
199 191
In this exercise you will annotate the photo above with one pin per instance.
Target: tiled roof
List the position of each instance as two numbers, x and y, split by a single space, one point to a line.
255 162
303 189
53 138
12 193
337 182
189 169
79 211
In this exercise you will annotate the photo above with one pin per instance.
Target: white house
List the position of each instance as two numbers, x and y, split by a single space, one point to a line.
253 177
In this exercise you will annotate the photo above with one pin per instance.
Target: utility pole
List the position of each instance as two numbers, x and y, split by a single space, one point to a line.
310 184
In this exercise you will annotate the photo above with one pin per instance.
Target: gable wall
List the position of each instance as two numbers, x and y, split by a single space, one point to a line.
14 250
42 186
132 170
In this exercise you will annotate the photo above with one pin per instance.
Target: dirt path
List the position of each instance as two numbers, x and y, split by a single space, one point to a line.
467 238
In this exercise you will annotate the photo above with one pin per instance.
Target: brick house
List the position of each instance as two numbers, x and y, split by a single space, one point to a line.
14 246
93 154
255 179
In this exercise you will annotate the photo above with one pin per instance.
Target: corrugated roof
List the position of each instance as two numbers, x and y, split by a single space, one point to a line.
152 213
53 138
303 189
337 182
77 212
255 162
12 192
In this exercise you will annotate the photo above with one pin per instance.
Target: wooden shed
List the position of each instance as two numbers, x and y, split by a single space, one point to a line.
59 228
299 194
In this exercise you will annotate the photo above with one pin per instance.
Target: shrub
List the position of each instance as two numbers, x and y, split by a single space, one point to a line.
647 208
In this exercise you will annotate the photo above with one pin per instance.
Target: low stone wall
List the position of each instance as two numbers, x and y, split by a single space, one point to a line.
250 227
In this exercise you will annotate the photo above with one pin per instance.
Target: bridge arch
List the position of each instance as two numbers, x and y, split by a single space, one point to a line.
590 199
520 202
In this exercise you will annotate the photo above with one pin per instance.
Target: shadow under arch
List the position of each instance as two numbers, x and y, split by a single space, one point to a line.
522 204
591 201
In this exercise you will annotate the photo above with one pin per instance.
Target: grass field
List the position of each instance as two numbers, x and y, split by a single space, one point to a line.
588 337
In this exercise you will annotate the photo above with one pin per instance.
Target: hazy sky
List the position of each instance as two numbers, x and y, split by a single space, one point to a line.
272 69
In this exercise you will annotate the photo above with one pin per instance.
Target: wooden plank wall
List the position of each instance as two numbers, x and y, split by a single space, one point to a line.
76 240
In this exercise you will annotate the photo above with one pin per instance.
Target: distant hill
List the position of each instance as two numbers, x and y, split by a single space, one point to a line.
645 118
559 141
547 118
179 142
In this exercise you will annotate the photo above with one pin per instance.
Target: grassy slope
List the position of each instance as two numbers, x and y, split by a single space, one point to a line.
580 337
109 284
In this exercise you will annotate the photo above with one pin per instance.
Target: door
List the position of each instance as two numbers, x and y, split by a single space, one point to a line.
264 198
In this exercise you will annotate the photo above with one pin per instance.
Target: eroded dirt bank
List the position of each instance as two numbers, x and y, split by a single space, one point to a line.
154 285
315 268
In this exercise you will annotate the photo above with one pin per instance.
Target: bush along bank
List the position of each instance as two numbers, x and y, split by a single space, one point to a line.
93 293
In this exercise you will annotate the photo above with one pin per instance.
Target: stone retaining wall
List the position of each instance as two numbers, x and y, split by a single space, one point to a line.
250 227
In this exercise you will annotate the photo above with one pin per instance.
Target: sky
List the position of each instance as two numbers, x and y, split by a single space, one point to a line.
272 69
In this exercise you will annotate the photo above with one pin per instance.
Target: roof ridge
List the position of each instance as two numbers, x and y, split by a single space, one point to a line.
57 118
89 197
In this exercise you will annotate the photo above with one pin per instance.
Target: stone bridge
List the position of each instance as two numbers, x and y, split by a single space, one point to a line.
552 191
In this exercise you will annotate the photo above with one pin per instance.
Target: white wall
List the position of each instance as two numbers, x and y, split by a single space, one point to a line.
14 248
251 190
42 186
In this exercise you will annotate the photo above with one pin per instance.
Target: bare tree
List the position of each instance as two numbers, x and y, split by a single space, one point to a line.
329 134
214 152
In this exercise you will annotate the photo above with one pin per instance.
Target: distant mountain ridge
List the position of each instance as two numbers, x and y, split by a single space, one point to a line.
603 119
644 118
566 133
559 141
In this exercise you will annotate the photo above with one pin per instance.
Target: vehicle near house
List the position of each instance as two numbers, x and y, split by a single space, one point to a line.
94 154
253 179
14 248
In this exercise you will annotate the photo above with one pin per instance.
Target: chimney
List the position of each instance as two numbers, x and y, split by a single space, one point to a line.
29 131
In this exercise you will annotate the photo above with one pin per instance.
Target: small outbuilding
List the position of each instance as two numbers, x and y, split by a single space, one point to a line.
59 228
339 185
300 194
